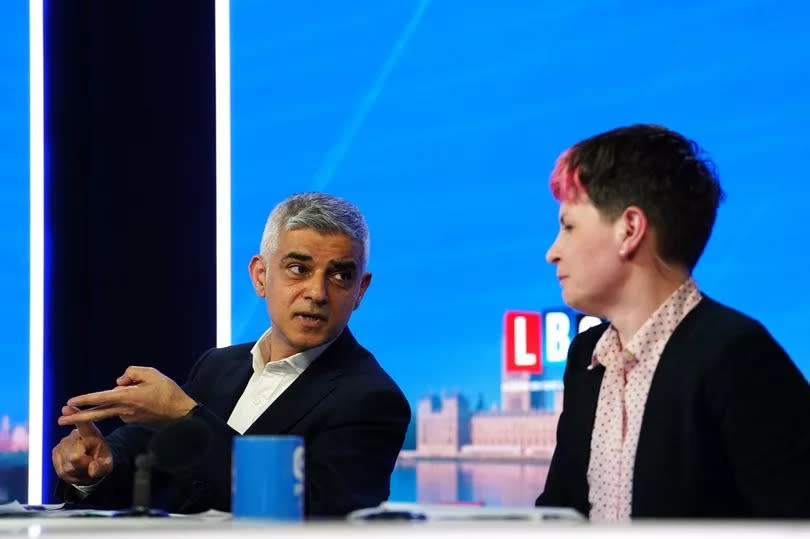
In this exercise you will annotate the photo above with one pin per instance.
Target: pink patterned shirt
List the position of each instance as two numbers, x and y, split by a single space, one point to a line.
622 397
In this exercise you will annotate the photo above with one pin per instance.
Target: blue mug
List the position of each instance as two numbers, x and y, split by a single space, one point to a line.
268 477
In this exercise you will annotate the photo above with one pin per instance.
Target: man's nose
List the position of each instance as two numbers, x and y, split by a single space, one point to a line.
317 290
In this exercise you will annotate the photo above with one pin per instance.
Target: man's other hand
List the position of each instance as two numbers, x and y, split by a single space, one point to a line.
143 395
82 457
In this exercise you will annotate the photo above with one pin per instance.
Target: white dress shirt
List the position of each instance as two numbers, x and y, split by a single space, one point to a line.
269 380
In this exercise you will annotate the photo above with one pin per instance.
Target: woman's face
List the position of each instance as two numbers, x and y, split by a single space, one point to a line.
586 253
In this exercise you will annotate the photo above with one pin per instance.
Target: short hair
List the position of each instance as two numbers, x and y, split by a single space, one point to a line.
325 213
662 172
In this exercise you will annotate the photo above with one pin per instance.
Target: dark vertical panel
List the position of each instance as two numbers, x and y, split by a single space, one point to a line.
130 192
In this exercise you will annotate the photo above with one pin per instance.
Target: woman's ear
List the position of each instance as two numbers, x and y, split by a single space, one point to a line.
631 228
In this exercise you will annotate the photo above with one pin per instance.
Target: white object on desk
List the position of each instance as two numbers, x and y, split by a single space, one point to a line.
397 510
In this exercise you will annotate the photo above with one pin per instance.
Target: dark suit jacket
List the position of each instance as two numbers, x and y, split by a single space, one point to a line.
725 431
352 416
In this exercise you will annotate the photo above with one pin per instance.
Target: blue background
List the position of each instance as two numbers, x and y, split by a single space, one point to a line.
14 208
441 121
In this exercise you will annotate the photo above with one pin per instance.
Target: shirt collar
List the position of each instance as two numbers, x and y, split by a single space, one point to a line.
297 362
666 317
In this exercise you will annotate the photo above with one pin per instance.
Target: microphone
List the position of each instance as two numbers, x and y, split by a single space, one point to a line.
178 446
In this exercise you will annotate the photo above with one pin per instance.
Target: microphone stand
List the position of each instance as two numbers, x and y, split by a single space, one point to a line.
142 489
162 455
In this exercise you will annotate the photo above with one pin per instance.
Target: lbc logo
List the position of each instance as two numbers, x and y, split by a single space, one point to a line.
525 333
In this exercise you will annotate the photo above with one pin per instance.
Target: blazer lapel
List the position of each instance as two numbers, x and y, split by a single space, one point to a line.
593 386
588 379
222 388
242 377
585 385
310 388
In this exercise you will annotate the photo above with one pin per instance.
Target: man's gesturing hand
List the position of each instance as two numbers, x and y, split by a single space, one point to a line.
82 457
143 395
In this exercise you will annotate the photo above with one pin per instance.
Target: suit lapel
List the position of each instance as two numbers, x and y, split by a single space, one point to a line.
585 387
242 377
589 401
593 387
310 388
591 381
222 387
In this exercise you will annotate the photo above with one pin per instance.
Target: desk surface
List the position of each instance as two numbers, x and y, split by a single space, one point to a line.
175 528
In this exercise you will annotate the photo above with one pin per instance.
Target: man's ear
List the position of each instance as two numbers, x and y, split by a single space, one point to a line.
631 228
364 282
258 273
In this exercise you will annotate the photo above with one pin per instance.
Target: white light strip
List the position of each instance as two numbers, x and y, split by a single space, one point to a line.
37 250
222 58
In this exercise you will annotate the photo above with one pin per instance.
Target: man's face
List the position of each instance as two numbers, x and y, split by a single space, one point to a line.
586 253
312 283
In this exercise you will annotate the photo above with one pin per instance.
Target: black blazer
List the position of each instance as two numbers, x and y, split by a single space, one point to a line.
725 431
352 416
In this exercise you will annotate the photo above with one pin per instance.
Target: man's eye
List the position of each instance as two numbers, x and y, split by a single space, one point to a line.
297 269
343 276
567 227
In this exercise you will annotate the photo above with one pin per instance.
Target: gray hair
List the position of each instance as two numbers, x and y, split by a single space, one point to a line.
325 213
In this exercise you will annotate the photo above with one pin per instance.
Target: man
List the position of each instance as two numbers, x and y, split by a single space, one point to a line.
678 406
306 375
